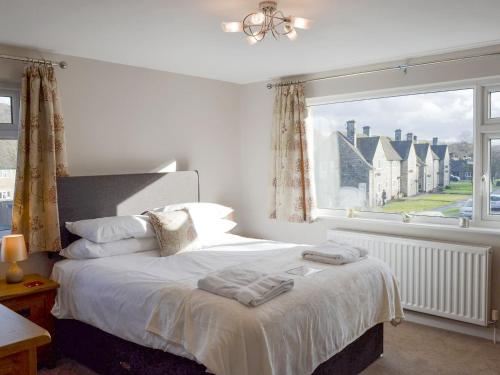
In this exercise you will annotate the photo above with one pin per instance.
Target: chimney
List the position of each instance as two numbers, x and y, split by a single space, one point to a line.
415 138
397 135
366 130
351 131
435 141
409 136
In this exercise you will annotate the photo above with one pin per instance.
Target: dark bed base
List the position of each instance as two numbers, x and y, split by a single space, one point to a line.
108 354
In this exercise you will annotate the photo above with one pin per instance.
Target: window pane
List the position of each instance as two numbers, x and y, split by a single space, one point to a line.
495 104
410 153
8 154
5 110
495 177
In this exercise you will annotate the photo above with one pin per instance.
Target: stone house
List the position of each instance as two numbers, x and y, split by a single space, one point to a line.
442 151
462 168
386 164
409 164
354 170
428 168
345 177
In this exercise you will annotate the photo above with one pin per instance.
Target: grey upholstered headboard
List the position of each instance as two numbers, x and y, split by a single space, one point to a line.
89 197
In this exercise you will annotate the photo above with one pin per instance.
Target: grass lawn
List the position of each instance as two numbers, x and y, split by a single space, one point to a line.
427 202
461 187
452 212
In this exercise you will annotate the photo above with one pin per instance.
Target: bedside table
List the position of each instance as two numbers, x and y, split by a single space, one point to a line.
18 343
33 303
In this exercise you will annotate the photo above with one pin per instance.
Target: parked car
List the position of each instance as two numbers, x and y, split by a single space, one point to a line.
454 178
466 209
494 202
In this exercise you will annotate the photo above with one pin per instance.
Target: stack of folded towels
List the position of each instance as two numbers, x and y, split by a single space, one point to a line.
249 287
336 253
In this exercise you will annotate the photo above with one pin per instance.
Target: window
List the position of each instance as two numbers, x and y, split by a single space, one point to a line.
6 110
407 153
9 110
492 198
494 104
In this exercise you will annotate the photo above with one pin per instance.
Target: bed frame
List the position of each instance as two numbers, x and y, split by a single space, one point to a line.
90 197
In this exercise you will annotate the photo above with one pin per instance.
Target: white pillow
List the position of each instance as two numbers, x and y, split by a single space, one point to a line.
200 209
209 218
114 228
209 229
85 249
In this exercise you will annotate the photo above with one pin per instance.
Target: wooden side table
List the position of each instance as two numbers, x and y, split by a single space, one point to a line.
19 339
33 302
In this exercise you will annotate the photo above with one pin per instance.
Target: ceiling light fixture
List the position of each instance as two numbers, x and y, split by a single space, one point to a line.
267 19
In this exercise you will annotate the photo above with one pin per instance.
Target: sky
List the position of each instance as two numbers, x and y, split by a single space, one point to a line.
447 115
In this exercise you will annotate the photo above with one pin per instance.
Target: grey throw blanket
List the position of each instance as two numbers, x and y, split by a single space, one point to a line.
332 252
251 288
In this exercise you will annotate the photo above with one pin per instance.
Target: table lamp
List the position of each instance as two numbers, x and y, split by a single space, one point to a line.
13 250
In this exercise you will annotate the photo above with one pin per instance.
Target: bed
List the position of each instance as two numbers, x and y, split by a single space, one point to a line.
142 314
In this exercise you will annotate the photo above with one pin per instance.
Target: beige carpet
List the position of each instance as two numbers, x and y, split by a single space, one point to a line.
416 349
409 349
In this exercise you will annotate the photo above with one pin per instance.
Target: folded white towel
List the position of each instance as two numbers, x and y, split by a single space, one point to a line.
251 288
333 252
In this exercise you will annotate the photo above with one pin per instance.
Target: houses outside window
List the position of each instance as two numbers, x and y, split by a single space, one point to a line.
415 148
404 146
9 112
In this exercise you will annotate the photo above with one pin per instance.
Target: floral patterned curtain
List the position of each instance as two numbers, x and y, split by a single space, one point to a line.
291 197
41 158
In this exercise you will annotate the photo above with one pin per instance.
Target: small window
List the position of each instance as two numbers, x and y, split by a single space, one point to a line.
6 110
494 104
494 162
9 118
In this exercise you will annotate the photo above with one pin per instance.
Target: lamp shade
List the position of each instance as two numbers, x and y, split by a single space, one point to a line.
13 248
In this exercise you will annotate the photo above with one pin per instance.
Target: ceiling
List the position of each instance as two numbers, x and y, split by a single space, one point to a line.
184 36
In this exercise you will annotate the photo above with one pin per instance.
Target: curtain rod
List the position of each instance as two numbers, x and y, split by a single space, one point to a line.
402 67
60 64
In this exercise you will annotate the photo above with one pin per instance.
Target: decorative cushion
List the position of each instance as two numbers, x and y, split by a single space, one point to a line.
175 231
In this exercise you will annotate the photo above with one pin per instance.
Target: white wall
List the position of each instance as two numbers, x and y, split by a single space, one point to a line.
121 119
256 116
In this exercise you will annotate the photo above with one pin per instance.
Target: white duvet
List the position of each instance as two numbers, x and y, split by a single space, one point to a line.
153 301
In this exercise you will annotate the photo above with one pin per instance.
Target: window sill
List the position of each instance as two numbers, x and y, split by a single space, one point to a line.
411 226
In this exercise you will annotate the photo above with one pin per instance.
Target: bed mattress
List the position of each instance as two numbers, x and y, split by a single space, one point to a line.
153 301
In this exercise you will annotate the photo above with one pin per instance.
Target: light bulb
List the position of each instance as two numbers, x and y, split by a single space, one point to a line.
257 18
292 34
301 23
232 27
290 31
252 39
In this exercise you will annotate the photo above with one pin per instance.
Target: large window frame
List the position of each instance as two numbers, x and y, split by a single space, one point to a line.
484 129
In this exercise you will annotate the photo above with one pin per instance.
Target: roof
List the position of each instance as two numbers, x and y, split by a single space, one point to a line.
8 153
402 148
343 138
367 146
421 149
390 152
440 150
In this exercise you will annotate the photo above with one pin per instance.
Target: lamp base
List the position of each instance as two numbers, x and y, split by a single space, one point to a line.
14 274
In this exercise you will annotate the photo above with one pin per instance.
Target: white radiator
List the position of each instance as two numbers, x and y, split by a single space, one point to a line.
443 279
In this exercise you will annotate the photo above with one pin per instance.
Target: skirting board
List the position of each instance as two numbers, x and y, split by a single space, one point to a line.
449 325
